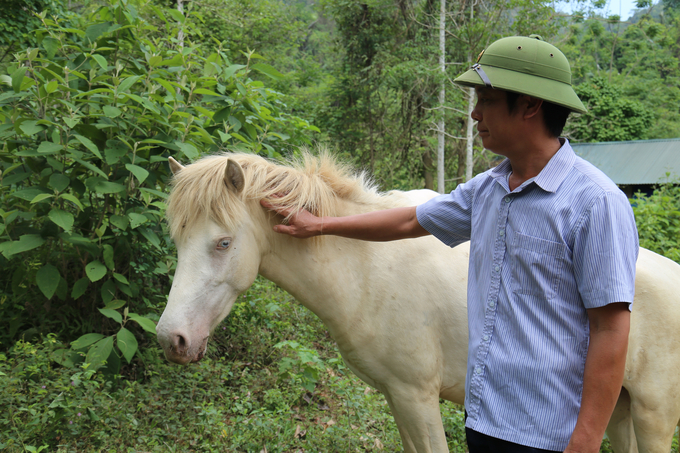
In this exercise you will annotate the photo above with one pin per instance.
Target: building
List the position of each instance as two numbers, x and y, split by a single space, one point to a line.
635 166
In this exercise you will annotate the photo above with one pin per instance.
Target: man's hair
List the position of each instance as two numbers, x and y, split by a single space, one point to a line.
554 116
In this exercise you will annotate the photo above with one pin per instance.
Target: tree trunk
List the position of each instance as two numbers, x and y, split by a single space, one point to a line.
470 137
428 163
442 99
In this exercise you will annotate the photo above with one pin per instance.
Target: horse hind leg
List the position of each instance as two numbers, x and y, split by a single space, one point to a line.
654 420
620 429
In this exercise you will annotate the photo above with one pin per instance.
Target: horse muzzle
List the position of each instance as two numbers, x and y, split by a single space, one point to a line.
178 348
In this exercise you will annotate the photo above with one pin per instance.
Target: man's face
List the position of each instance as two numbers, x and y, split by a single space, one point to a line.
496 125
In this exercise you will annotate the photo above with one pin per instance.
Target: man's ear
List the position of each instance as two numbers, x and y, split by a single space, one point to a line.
531 106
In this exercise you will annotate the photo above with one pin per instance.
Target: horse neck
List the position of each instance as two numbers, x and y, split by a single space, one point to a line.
320 273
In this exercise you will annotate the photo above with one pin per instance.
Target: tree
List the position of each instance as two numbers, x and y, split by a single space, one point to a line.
610 117
19 20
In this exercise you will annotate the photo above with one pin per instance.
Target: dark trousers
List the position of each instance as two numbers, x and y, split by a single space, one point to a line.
481 443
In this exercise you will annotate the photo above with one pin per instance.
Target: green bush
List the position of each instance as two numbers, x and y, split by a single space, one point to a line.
658 220
87 122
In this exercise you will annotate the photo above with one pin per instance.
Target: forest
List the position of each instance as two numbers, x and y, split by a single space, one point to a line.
95 95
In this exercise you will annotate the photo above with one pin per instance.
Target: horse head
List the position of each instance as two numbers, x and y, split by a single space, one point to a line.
218 254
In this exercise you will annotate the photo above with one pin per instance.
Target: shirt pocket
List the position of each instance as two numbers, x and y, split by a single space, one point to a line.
536 265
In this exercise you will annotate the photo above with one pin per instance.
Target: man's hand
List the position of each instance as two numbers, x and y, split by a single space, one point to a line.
386 225
301 224
605 365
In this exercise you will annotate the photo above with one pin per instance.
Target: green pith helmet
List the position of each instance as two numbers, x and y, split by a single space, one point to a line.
525 65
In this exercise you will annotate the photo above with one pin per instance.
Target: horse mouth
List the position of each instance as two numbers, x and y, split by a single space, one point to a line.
186 356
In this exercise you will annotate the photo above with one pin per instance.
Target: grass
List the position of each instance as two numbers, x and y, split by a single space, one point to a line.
272 382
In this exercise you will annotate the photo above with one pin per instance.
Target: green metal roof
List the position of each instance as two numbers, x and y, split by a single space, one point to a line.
634 162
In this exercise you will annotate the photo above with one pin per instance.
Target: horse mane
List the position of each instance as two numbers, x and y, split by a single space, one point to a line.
313 182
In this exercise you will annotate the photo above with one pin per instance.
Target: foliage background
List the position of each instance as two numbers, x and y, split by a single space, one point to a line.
96 94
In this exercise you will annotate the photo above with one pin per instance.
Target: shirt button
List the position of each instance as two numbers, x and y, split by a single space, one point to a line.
485 338
492 304
507 199
501 233
497 268
478 370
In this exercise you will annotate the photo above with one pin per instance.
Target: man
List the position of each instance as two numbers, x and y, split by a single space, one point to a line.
553 247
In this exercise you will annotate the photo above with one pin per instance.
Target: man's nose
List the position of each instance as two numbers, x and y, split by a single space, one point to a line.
475 115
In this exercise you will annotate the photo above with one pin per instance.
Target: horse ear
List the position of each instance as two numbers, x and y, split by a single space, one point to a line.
234 177
175 167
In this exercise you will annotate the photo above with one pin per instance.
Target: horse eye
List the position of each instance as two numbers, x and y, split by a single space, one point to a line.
223 244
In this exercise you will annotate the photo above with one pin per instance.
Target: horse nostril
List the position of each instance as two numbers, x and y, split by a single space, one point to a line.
179 344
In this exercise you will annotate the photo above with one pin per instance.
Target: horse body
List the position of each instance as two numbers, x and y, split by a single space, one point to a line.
396 310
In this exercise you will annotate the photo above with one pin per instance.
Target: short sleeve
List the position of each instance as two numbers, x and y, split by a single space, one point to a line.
605 252
448 217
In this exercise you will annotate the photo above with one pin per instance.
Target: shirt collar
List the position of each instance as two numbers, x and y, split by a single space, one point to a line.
552 175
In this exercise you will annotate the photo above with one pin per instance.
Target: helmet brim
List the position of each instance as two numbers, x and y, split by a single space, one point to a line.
540 87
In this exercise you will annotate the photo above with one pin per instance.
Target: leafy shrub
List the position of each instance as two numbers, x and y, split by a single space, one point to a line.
87 121
658 220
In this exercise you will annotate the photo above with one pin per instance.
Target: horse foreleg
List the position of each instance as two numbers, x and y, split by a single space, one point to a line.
417 415
620 429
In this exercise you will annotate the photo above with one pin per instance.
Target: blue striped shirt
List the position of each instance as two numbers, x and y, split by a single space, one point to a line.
540 256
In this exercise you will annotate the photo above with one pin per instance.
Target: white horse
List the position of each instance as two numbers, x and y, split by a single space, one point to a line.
397 310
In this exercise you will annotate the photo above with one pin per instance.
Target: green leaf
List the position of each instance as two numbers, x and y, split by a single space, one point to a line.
25 243
48 279
40 197
139 172
91 167
59 182
127 343
145 323
119 222
51 87
72 199
188 149
268 71
113 314
49 148
86 340
31 127
18 78
155 61
66 357
108 187
121 278
111 111
115 304
136 219
206 91
115 149
99 352
80 287
95 271
107 252
94 31
127 83
151 237
51 46
231 70
62 218
101 61
90 413
89 145
178 16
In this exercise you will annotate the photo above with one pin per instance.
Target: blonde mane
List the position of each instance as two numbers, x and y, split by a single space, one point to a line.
315 183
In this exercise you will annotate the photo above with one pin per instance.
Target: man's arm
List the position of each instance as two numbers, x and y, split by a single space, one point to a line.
386 225
603 377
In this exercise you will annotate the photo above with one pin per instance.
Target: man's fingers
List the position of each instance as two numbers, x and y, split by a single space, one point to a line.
278 209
